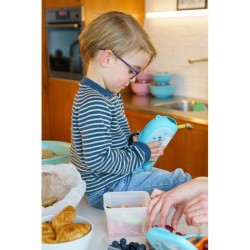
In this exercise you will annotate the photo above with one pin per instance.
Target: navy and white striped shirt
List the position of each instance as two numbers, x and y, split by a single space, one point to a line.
99 142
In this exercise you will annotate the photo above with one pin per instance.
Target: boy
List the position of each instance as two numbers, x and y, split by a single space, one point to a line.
115 48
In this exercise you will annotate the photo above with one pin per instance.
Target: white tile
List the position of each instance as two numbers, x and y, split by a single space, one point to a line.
177 40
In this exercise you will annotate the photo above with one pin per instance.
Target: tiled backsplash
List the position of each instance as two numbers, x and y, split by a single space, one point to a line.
177 39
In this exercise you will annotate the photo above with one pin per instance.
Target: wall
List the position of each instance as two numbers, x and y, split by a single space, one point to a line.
177 39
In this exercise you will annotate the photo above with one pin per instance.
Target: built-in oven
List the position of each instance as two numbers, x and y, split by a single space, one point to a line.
63 28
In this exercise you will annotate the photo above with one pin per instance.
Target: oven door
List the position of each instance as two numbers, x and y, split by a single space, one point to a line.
64 60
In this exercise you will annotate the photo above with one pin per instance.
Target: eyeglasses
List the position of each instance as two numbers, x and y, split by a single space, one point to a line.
134 71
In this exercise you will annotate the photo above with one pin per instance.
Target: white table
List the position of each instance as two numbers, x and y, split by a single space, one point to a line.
98 218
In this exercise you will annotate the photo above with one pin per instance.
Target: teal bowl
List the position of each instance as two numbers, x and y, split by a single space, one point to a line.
162 79
58 147
162 92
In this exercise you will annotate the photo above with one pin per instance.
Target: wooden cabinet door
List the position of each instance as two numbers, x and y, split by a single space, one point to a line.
187 149
94 8
62 3
61 97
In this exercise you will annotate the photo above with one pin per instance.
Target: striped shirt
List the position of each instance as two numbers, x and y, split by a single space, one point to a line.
100 147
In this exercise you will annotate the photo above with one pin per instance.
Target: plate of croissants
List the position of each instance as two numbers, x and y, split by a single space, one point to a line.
66 230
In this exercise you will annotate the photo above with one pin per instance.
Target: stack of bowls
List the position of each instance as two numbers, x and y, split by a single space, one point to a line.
162 88
141 86
162 79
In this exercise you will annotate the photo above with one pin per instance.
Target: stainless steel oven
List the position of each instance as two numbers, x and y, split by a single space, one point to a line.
63 28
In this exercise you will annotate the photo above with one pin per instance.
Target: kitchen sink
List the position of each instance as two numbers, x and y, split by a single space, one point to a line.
184 105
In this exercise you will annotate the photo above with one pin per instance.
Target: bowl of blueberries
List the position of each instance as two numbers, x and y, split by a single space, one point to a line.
129 242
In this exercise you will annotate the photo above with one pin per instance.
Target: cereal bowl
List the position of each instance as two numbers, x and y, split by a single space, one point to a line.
82 243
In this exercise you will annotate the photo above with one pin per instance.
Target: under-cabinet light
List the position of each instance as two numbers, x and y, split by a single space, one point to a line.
180 13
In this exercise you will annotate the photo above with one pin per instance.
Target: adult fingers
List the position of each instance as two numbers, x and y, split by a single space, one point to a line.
167 204
197 203
177 216
156 206
156 192
195 211
152 203
197 199
198 220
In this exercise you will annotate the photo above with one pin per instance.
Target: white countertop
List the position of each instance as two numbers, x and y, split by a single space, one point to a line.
98 218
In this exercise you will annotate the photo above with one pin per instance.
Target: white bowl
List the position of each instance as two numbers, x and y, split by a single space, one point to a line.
79 244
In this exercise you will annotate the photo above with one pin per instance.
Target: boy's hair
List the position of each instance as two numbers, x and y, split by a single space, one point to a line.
116 31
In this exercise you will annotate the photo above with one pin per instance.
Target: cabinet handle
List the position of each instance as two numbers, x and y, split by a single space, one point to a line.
70 25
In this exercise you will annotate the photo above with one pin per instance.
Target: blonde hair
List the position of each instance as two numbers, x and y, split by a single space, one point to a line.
116 31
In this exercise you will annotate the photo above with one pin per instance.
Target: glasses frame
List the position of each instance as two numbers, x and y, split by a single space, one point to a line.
134 70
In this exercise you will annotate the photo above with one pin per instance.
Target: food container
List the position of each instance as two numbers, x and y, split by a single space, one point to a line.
82 243
126 212
58 147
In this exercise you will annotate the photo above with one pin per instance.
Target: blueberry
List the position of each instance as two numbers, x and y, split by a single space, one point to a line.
141 247
115 244
131 244
136 244
123 241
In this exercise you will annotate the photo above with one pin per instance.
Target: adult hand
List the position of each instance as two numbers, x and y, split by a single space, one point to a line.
180 198
196 210
162 202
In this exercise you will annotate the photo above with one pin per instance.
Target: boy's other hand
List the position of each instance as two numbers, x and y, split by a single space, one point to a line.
156 150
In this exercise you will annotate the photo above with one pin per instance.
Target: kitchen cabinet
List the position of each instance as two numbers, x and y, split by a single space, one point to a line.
62 3
187 149
93 8
61 97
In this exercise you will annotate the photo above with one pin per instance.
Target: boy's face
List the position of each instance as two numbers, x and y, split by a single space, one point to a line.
122 70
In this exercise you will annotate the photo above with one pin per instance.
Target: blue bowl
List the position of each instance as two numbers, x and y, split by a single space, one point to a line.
57 147
162 92
162 79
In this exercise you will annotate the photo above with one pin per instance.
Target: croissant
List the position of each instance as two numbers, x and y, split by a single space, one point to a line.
73 231
66 216
48 234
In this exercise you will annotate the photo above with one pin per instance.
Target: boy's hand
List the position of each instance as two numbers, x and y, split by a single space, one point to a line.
156 150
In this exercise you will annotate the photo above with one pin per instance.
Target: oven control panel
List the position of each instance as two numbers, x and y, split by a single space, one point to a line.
64 15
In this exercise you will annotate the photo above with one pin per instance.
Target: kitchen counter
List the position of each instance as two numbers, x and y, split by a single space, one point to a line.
149 104
98 218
